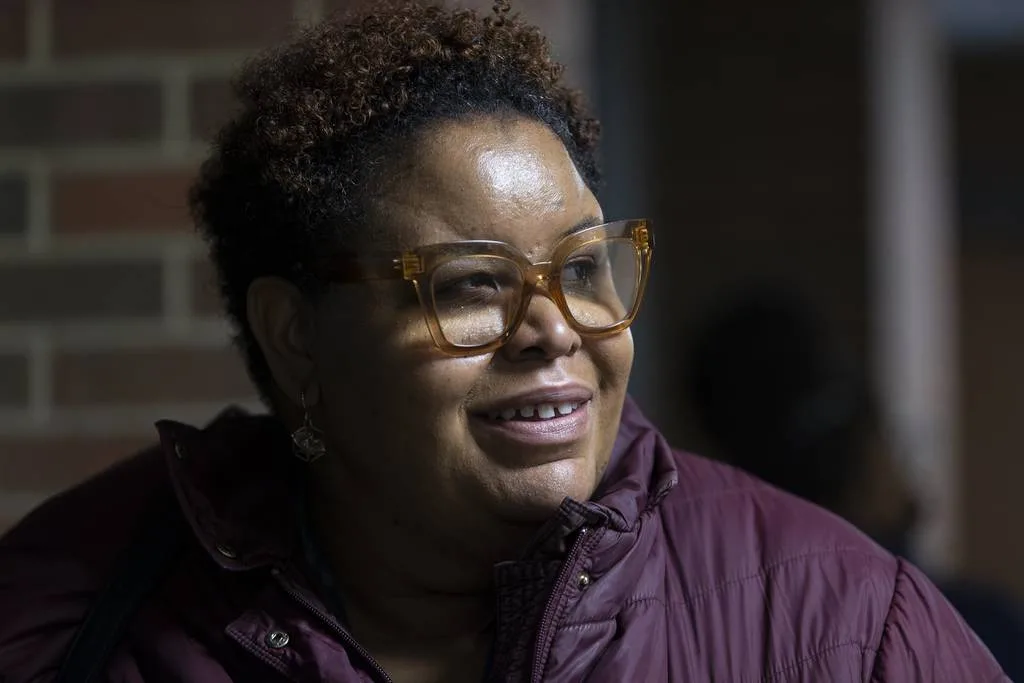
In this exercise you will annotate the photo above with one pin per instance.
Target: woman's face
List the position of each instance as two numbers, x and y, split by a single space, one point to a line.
409 424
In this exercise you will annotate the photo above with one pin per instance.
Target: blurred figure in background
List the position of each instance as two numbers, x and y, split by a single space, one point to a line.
774 394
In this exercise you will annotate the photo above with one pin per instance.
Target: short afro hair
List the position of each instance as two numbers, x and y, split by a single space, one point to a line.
323 117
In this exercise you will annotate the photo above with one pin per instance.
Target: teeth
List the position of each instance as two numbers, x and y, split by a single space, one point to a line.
566 408
544 411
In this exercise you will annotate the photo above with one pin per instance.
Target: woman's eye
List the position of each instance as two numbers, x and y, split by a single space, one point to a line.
579 269
478 283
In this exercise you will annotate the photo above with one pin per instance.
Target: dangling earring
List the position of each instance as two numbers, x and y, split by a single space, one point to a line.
307 440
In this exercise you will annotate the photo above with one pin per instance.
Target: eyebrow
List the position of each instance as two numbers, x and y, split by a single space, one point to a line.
588 222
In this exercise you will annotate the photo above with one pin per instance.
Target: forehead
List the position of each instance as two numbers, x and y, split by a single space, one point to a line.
485 178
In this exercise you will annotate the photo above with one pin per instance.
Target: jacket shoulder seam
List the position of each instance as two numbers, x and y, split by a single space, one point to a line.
811 657
687 498
704 593
700 596
888 621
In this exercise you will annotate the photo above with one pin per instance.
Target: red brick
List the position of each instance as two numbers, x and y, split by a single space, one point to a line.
82 27
46 464
146 200
205 291
13 24
211 105
149 376
13 203
56 115
76 291
14 380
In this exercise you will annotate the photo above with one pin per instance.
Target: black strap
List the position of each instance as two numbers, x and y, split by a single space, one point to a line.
135 574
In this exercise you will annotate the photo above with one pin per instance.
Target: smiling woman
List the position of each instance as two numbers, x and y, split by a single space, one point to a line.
451 484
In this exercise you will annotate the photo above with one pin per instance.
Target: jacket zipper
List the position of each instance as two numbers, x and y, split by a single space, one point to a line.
345 636
547 620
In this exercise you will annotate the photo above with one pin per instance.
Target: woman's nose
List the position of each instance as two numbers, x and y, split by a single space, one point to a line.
544 332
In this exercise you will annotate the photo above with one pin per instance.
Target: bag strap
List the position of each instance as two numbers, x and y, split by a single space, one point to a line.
137 572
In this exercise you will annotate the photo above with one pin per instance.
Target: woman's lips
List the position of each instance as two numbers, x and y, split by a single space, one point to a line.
542 424
537 411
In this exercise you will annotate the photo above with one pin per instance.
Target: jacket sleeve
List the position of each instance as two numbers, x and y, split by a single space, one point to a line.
925 640
38 615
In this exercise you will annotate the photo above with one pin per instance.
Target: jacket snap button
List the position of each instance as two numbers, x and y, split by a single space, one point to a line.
583 580
277 639
227 551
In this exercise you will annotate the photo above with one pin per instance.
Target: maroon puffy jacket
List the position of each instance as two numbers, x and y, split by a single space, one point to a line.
679 570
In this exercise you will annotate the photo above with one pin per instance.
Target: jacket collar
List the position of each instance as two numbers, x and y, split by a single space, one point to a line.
235 480
642 470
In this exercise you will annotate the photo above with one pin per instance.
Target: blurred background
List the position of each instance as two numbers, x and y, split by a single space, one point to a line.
866 156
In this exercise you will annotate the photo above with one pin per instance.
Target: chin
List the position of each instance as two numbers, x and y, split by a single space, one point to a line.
537 493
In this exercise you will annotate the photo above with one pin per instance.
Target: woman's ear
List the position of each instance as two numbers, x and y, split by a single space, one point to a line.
283 323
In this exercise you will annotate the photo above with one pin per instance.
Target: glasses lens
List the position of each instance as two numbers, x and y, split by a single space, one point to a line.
600 282
475 298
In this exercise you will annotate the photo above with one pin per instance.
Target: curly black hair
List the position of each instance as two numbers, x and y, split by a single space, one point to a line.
325 116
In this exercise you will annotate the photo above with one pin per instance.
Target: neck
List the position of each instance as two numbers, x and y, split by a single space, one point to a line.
401 586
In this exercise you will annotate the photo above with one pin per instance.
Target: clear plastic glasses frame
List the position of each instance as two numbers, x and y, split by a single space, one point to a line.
419 265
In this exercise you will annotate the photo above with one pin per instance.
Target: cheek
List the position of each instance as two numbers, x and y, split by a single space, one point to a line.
614 359
383 361
361 332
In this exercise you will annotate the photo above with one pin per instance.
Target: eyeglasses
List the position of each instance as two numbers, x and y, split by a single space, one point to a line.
475 293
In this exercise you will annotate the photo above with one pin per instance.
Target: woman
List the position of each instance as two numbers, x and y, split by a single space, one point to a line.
453 485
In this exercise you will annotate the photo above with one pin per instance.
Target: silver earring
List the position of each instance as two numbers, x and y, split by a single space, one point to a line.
307 440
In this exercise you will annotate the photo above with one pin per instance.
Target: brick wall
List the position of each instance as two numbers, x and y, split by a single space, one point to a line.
108 318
